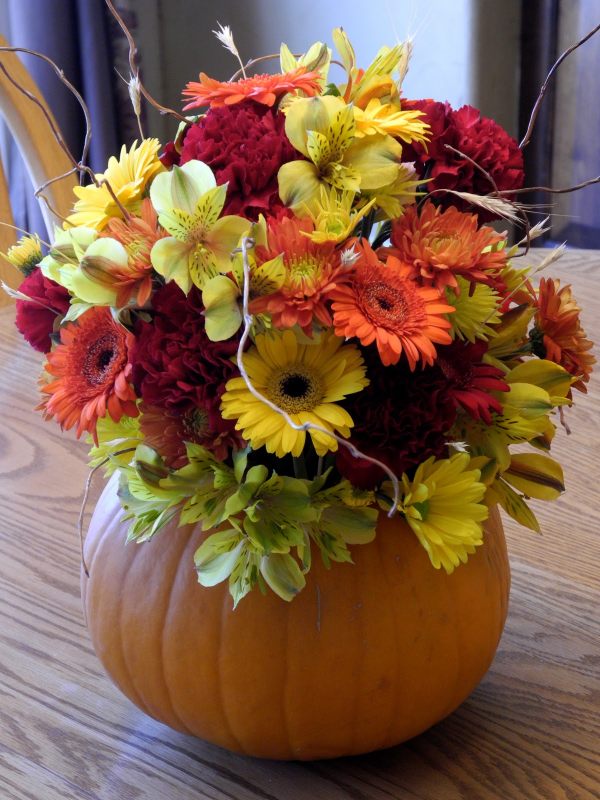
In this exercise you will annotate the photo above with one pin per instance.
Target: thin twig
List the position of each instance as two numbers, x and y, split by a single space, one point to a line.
86 494
549 189
57 178
135 71
536 108
248 242
38 102
66 82
477 166
23 231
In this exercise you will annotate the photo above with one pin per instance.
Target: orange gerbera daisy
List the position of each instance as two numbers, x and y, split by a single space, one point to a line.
265 89
440 244
131 278
91 372
558 335
312 272
382 304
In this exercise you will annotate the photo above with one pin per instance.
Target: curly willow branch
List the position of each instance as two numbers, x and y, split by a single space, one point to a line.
135 71
536 108
248 242
64 80
86 494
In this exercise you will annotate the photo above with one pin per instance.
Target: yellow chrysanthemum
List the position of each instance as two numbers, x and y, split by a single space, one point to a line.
128 178
305 380
391 119
26 254
443 506
474 310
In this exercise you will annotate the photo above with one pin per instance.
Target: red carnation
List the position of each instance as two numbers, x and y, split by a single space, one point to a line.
401 418
245 145
480 138
35 318
470 380
178 369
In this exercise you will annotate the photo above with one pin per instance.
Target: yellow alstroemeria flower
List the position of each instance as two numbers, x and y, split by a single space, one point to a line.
323 129
333 216
189 202
392 198
377 80
128 178
221 295
316 59
389 118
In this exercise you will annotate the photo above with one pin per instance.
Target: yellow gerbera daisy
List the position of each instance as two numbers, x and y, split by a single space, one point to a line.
305 380
443 505
128 178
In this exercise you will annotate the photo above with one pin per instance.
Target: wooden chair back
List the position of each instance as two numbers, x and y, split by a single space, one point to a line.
42 154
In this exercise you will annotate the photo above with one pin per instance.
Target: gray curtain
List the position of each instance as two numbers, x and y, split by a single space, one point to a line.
84 40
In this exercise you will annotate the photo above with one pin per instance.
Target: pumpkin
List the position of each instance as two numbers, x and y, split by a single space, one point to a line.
365 657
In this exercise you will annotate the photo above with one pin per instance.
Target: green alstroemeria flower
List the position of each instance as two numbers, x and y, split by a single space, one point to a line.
189 202
61 264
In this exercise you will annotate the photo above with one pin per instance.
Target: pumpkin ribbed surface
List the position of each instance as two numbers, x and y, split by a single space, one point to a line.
365 657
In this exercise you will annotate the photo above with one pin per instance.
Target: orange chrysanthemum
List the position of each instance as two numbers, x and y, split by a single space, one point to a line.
91 373
312 273
558 335
440 244
382 304
137 235
168 433
265 89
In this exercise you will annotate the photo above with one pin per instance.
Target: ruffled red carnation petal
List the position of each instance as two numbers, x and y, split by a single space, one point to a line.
35 319
244 145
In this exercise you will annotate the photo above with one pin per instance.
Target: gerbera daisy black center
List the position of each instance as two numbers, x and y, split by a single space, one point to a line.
99 359
296 389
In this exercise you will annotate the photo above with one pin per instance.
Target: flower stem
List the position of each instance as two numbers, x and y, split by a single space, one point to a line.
299 466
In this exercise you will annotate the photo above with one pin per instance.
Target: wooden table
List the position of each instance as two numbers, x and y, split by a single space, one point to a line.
531 731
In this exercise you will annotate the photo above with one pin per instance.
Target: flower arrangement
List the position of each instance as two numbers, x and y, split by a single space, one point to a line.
296 316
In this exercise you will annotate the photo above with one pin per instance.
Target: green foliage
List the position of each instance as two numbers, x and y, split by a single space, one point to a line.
263 525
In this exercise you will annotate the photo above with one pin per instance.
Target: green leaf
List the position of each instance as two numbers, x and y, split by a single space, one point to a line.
283 575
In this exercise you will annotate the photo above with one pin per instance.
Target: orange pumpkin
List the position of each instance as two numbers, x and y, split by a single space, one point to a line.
365 657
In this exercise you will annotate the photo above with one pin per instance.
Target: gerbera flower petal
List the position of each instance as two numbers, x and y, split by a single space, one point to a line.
382 304
299 384
89 369
264 89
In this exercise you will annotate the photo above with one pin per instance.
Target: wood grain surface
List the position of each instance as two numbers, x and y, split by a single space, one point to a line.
530 731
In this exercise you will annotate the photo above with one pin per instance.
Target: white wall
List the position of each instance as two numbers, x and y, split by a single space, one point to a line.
465 51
